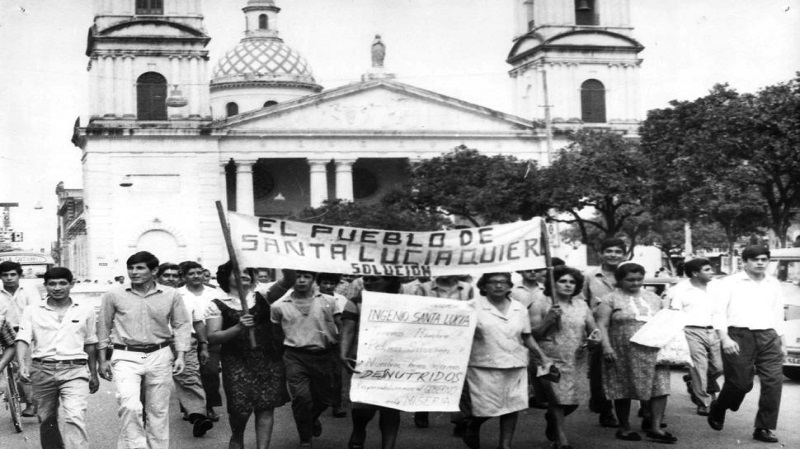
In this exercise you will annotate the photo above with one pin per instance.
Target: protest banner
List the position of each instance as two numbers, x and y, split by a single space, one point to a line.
412 352
272 242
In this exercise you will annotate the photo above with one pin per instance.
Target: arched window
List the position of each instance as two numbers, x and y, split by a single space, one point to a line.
263 22
151 97
586 12
270 103
593 102
150 7
231 109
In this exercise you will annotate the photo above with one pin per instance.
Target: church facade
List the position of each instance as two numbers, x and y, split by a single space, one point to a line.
170 132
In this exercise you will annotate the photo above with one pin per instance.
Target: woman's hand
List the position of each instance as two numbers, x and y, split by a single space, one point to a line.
349 365
246 321
554 314
609 354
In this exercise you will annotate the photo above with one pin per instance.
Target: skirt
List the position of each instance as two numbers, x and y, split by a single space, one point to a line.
497 391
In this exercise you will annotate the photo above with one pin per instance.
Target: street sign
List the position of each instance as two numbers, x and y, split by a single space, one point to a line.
7 236
16 237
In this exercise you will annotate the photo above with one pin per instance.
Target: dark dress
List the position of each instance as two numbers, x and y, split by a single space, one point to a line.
253 379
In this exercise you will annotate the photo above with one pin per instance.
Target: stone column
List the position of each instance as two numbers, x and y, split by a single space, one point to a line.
205 93
245 203
108 85
194 87
174 80
344 179
129 91
318 181
223 185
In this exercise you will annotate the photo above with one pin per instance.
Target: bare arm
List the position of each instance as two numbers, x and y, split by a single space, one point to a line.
202 341
602 315
348 336
218 336
91 352
530 343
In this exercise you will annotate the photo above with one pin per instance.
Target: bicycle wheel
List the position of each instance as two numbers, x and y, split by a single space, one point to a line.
12 398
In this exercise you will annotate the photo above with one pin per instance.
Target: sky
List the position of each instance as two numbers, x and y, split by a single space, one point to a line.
455 47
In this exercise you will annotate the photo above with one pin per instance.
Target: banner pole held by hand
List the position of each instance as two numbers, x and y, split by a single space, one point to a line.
226 232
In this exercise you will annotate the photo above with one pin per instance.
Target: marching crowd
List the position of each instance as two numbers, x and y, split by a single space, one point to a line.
556 340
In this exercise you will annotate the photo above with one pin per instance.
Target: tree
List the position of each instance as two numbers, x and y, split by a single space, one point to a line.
728 157
600 171
388 214
482 189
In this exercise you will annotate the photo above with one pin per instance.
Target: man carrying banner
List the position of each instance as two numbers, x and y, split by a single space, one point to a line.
308 324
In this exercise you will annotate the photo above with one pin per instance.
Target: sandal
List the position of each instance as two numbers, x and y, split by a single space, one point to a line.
630 436
666 437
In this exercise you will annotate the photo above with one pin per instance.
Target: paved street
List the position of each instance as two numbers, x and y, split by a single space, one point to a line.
692 430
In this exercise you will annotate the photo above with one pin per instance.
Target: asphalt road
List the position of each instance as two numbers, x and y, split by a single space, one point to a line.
691 430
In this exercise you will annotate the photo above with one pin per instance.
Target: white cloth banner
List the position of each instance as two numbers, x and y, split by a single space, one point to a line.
412 352
271 242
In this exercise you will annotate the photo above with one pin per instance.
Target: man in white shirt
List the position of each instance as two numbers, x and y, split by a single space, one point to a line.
693 296
14 298
749 321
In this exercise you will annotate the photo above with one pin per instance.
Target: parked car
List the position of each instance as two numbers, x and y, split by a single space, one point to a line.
785 265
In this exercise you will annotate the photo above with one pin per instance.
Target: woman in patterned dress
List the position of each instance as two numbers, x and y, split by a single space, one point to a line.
561 330
253 378
630 370
497 372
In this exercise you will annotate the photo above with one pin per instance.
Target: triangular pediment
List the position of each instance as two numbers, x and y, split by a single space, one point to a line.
143 28
381 106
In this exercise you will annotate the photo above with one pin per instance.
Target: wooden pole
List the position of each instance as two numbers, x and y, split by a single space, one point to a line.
548 260
226 232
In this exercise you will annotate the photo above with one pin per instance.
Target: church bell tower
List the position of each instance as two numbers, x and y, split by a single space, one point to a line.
148 63
579 60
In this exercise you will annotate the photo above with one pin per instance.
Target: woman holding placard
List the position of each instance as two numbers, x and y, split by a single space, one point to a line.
561 327
630 370
497 375
363 413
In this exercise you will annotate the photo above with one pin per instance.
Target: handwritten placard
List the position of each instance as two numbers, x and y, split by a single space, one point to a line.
272 242
412 352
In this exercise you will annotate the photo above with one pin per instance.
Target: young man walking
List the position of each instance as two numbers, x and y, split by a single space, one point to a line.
62 336
143 317
308 324
693 296
749 321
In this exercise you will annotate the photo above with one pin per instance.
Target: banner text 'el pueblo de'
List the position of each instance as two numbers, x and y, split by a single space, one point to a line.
412 352
272 242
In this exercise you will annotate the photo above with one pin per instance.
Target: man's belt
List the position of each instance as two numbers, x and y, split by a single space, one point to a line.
701 327
63 362
141 348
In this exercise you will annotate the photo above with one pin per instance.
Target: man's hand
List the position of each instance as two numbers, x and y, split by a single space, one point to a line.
349 365
202 354
94 384
729 346
609 354
24 373
105 371
178 365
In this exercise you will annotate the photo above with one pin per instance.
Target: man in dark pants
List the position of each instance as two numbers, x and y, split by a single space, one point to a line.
599 282
749 321
308 324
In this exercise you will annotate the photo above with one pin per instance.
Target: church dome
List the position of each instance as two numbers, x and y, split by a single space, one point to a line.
262 61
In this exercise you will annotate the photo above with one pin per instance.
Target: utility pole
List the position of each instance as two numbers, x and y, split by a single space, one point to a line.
548 126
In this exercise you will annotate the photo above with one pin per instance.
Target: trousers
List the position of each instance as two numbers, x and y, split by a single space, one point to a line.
64 386
759 353
134 371
188 386
706 355
312 387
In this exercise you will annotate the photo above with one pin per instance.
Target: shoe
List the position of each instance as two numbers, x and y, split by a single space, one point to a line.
550 429
339 412
305 444
29 412
765 435
630 436
212 415
702 410
665 437
201 426
716 417
317 428
460 429
608 420
421 420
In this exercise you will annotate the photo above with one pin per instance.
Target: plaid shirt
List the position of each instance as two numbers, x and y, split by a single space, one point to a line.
7 335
